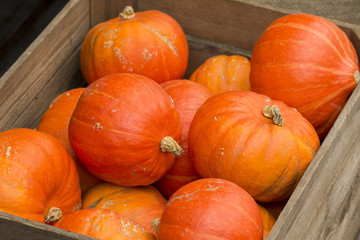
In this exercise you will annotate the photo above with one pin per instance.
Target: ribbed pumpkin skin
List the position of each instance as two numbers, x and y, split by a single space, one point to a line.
230 138
103 224
117 127
223 73
268 221
210 209
308 63
188 97
141 204
55 121
151 44
36 174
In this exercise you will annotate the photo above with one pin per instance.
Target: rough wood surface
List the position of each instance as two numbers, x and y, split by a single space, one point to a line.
104 10
341 10
16 228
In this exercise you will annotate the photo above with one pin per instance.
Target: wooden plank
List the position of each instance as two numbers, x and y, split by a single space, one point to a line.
67 77
104 10
326 202
231 22
345 11
15 228
42 60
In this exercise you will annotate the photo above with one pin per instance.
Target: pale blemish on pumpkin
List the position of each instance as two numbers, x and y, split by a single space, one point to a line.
114 110
222 151
267 100
146 54
108 44
295 109
67 94
92 118
8 151
189 196
97 126
101 29
165 39
123 226
108 204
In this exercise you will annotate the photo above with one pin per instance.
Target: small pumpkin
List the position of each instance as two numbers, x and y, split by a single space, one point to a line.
141 204
38 177
210 209
260 144
268 221
188 97
55 121
125 130
223 73
149 43
103 224
309 63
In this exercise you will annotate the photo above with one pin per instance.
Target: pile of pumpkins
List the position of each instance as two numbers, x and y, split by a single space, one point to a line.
141 153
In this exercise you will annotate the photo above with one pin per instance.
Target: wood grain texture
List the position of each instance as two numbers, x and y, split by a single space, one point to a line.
104 10
341 10
15 228
40 62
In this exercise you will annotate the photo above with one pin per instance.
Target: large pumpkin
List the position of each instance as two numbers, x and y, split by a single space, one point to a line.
262 145
188 97
103 224
210 209
38 177
55 121
307 62
150 43
223 73
125 129
141 204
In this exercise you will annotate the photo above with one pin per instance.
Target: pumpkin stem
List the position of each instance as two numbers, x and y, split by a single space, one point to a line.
127 13
155 224
357 76
168 144
273 112
53 215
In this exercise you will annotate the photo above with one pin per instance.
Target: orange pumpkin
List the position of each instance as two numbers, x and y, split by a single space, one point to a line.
150 43
38 177
125 130
55 121
103 224
210 209
188 97
223 73
262 145
268 221
308 63
141 204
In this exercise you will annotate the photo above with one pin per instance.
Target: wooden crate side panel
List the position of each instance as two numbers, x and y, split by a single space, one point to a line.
326 202
42 60
15 228
230 22
63 80
103 10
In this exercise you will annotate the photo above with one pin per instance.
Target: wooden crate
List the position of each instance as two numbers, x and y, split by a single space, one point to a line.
326 202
